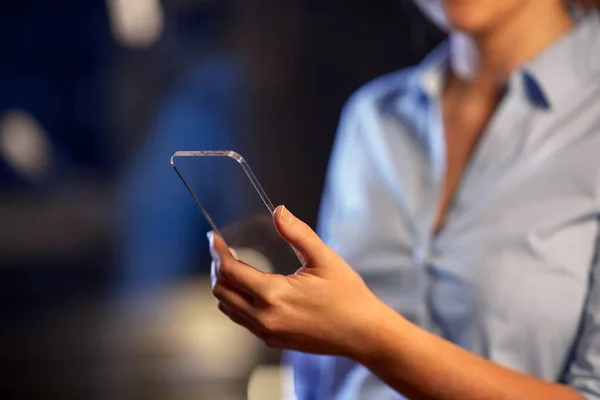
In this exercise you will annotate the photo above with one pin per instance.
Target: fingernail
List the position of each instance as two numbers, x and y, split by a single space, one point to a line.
286 215
211 237
233 253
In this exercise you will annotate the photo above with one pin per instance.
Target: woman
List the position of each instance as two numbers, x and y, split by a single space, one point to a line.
468 282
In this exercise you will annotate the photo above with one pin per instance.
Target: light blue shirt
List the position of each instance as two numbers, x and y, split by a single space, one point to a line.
512 276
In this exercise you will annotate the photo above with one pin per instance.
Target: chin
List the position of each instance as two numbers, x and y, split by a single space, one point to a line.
466 16
469 16
470 24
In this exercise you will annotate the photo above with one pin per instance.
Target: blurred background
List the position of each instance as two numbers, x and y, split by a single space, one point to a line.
104 290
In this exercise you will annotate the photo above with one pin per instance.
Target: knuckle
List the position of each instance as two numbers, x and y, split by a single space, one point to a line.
270 333
268 325
271 295
217 290
225 269
305 233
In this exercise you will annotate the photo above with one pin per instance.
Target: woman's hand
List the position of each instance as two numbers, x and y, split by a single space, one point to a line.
323 308
326 308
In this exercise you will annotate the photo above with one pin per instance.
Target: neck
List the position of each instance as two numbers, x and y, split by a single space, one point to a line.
490 57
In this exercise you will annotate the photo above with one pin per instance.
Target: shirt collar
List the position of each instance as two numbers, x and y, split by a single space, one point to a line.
432 71
567 64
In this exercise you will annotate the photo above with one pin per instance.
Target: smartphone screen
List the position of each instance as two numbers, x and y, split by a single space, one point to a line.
235 205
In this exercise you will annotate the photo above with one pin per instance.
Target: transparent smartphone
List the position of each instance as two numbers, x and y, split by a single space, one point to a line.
235 206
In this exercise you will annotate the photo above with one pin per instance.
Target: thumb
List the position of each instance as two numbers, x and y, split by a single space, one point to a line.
298 234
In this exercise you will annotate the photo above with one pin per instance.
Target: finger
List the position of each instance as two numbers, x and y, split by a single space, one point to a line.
299 234
233 297
242 275
214 272
214 255
238 318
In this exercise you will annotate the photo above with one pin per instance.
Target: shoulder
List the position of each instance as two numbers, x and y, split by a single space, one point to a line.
373 97
405 86
360 125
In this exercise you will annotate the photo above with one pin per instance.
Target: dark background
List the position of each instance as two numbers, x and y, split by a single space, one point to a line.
103 288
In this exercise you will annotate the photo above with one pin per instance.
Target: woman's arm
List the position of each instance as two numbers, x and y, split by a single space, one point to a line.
421 365
326 308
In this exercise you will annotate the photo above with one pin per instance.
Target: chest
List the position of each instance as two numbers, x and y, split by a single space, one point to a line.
513 260
463 123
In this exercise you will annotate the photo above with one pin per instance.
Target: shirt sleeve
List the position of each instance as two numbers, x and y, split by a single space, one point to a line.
583 371
310 382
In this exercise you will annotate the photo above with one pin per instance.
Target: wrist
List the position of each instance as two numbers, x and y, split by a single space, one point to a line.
377 331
